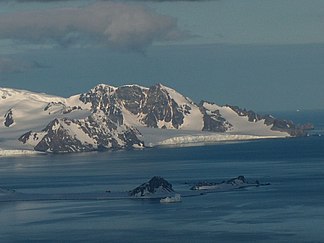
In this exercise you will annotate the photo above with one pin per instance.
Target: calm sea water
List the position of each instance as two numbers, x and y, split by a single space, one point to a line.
291 209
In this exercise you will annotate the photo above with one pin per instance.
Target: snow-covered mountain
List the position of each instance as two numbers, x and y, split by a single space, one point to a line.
123 117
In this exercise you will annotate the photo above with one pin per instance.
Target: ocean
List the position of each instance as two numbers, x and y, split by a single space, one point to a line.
290 209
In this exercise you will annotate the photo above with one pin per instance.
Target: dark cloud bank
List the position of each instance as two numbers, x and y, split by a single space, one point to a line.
118 25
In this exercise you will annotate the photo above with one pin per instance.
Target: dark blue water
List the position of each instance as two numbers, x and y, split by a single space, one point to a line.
291 209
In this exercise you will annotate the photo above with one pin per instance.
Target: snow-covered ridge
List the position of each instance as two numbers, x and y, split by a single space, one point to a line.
241 124
109 117
16 94
134 85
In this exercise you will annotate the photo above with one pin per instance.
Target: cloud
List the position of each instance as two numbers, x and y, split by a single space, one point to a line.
121 25
8 65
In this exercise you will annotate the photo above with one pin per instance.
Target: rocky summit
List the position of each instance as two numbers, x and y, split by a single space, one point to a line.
156 185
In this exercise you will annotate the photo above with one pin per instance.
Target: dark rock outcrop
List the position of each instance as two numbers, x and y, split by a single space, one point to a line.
54 107
156 184
234 183
92 133
153 105
237 180
103 98
213 121
159 106
132 97
9 120
57 139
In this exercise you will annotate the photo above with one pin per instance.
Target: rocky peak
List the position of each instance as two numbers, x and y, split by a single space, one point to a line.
100 96
236 181
57 138
96 132
103 88
155 185
132 97
103 98
160 107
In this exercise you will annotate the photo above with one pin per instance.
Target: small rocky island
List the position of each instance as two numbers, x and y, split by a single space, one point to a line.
234 183
156 185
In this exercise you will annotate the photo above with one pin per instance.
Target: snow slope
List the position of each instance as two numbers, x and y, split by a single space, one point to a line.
193 120
241 124
32 111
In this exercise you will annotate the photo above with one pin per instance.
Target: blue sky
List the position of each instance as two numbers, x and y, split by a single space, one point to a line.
259 54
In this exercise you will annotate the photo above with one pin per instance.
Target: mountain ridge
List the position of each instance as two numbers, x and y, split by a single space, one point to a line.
108 117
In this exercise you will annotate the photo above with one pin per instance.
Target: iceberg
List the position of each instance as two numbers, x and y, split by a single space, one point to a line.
176 198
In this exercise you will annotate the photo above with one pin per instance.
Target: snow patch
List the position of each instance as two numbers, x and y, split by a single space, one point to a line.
76 131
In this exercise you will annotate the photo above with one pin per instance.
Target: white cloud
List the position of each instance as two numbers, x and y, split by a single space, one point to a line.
121 25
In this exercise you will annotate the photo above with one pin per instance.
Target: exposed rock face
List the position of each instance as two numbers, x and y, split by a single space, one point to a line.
103 98
9 120
237 180
159 106
152 106
54 107
133 98
56 138
93 133
155 185
213 121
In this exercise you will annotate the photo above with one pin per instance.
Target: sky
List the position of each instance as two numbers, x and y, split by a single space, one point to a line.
263 55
